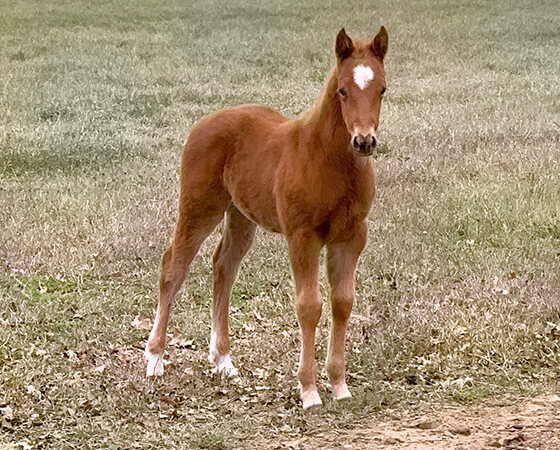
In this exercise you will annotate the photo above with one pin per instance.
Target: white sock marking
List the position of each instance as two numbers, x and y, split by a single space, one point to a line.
213 351
222 362
310 399
362 75
155 364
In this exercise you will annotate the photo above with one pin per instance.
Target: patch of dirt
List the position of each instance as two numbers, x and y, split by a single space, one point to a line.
530 424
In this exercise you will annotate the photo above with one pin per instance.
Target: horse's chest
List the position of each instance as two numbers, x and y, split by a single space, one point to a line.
338 210
329 223
329 201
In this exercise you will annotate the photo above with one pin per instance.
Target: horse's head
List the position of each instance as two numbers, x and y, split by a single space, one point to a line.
361 85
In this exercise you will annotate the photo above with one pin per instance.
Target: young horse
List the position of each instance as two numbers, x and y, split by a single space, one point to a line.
310 179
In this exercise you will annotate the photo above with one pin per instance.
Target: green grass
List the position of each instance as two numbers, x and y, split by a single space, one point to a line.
458 296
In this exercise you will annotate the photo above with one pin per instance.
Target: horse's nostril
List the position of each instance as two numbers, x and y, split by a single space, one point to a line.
363 143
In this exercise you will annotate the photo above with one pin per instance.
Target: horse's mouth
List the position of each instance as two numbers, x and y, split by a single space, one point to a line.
364 144
368 151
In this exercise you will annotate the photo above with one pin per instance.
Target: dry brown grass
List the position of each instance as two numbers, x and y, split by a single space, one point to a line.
458 293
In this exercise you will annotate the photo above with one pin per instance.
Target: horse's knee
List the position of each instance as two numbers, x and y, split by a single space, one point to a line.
309 309
342 306
173 273
166 258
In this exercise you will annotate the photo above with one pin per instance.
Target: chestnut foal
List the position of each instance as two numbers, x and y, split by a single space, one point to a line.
310 179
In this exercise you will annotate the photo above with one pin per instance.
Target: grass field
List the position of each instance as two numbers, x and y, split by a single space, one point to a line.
458 291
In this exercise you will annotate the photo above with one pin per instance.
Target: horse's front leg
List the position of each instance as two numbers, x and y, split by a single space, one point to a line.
342 258
305 248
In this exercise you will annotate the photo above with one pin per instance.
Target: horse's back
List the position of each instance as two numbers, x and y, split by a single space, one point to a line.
231 153
231 123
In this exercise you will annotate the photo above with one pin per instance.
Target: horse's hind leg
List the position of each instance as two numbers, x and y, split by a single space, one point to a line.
193 226
237 236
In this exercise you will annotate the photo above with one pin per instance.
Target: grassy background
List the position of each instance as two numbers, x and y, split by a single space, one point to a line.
458 294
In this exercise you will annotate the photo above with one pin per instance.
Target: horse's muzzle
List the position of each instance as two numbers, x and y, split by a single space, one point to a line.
364 145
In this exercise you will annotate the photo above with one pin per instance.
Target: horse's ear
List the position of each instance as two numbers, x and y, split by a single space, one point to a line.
344 45
380 43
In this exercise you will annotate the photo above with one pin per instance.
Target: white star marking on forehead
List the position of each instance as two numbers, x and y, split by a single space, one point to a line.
362 75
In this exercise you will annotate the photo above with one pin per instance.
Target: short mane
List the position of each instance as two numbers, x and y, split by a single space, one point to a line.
324 103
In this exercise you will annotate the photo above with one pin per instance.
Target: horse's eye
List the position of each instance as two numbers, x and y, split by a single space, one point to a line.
342 92
383 91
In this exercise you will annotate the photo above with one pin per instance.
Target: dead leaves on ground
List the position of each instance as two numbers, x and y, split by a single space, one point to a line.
146 324
141 324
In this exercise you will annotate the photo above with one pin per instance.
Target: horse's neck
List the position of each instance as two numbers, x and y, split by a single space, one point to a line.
324 126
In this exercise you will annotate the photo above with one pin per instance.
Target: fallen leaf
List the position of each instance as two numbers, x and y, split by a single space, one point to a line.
180 342
295 443
260 373
32 390
24 445
462 382
125 355
7 413
248 327
519 437
100 369
424 424
35 419
359 318
71 355
141 324
461 430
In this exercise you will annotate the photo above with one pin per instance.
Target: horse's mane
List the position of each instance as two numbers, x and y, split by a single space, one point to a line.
324 103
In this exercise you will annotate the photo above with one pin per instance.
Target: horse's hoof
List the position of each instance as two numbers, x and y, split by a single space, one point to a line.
311 400
226 372
230 372
340 392
155 364
224 366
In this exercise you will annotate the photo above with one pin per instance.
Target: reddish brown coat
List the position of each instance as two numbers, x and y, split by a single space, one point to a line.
310 179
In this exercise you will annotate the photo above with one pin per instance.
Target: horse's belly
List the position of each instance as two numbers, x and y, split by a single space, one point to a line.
251 189
266 218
